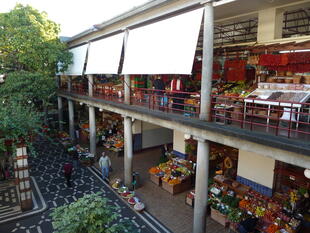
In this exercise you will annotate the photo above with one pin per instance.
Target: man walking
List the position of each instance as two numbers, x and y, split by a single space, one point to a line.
104 164
68 171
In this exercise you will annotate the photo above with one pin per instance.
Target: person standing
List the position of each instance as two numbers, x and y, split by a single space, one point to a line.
104 164
75 158
68 171
159 86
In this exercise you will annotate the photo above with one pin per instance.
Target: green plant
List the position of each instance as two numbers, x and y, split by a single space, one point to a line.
235 215
89 214
230 201
18 124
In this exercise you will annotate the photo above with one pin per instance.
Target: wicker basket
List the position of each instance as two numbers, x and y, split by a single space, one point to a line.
307 79
296 79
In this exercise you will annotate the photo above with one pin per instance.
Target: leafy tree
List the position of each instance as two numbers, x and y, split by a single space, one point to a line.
17 123
89 214
29 53
29 41
25 87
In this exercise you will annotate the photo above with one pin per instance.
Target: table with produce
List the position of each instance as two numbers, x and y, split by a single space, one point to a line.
278 213
174 176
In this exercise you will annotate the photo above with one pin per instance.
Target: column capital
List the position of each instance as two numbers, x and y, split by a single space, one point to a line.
207 2
199 139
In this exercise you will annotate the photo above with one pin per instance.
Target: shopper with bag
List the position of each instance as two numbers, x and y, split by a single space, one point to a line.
67 172
105 165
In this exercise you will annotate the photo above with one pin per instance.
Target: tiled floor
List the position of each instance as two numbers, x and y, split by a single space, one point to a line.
170 210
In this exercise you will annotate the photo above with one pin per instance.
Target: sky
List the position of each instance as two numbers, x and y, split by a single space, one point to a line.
75 16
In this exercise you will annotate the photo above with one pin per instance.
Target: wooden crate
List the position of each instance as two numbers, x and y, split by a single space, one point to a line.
177 188
155 179
220 218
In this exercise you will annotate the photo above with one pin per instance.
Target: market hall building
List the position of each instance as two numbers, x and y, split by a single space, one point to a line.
225 85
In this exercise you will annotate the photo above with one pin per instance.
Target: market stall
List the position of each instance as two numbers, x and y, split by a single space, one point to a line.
174 176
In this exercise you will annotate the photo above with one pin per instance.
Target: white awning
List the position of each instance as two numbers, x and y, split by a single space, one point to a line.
79 56
164 47
104 55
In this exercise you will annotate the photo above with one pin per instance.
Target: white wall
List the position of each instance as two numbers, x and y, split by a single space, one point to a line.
256 167
270 22
178 141
137 127
154 135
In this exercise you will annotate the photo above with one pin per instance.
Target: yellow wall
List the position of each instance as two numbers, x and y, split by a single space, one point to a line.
178 141
256 167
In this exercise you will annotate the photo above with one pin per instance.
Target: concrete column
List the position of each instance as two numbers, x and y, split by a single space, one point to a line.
128 151
270 24
71 119
69 83
201 189
90 84
207 63
92 130
127 88
57 80
126 76
60 113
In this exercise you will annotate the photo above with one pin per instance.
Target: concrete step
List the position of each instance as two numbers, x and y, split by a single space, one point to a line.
6 212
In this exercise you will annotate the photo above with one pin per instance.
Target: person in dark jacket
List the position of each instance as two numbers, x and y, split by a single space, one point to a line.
248 225
159 86
67 172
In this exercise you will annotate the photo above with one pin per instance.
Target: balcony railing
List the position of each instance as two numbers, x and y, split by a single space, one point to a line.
283 118
280 118
180 102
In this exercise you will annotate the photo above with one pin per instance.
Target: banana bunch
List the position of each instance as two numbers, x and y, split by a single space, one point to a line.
293 196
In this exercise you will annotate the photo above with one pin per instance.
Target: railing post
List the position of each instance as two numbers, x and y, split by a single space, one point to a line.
290 122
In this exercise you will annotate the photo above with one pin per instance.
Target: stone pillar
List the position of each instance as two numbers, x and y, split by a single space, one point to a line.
203 150
90 84
128 151
22 178
92 130
71 119
207 63
69 83
60 113
126 76
270 24
201 189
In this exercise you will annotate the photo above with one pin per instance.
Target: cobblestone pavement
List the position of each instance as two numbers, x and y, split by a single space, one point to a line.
47 168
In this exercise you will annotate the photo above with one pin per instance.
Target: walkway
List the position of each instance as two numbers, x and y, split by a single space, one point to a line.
48 172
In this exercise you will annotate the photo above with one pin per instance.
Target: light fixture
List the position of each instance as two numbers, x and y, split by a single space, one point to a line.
307 173
81 103
295 51
187 136
222 2
100 110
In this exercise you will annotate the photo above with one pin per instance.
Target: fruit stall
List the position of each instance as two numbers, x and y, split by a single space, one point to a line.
174 176
231 202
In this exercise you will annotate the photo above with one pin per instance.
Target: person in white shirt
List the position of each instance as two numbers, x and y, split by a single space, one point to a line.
104 164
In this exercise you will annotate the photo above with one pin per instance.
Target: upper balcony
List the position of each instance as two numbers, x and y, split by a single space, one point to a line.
283 113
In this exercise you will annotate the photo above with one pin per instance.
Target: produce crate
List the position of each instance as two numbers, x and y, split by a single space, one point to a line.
155 179
177 188
233 226
220 218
